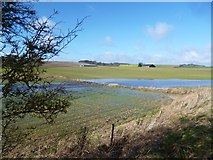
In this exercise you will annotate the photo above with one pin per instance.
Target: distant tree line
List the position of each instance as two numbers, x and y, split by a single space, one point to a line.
101 63
191 65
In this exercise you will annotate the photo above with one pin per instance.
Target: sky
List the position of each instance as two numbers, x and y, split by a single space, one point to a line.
133 32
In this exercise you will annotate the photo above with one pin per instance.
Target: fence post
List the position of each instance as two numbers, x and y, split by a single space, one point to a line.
112 133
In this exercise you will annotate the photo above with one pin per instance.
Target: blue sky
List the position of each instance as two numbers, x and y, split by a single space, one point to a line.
160 33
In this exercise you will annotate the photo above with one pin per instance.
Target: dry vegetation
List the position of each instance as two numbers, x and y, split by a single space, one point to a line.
181 129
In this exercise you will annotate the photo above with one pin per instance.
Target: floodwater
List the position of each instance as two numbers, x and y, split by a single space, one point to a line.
157 83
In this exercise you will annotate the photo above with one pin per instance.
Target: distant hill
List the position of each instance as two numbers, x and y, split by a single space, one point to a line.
78 64
61 64
101 63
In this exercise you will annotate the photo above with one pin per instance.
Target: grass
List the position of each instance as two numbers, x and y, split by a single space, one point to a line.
187 142
162 72
99 107
96 107
188 139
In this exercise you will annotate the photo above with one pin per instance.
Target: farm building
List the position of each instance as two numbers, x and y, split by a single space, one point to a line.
146 65
87 65
152 66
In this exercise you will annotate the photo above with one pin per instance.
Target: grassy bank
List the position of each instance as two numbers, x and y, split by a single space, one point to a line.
163 72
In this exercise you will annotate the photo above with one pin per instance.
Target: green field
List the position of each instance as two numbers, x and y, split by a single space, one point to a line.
96 107
132 71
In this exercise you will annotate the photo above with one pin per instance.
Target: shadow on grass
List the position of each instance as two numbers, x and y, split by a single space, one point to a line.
188 140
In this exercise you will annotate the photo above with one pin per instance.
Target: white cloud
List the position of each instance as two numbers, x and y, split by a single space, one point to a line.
159 31
190 56
196 57
146 58
186 56
109 57
49 22
107 41
201 56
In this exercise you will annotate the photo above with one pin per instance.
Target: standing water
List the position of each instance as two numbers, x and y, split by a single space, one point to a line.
157 83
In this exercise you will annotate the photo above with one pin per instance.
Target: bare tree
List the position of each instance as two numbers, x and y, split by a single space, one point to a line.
27 41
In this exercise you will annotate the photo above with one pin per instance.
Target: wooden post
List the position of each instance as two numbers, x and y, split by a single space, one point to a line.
112 134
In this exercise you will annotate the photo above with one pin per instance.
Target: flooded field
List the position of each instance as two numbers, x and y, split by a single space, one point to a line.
135 114
157 83
95 106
